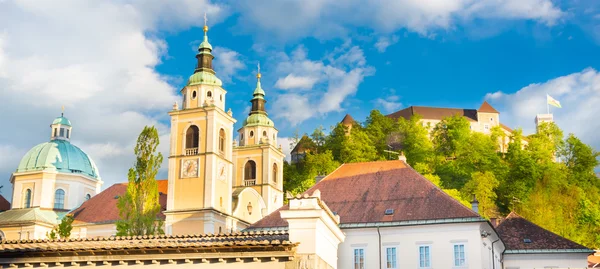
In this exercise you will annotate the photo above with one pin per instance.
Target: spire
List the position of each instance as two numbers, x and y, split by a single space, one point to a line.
258 102
204 55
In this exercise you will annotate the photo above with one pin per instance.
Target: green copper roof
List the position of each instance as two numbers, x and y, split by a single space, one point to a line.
29 215
62 120
60 156
258 119
204 77
205 44
259 92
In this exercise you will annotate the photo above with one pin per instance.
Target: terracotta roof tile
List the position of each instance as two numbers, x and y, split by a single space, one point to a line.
361 192
487 108
102 208
514 230
4 204
259 239
434 113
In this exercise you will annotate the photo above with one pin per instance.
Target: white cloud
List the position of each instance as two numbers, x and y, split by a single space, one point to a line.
389 104
284 142
97 58
227 63
292 81
335 79
328 19
579 94
384 42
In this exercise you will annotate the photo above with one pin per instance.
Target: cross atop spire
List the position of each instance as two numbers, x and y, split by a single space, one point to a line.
62 111
258 73
205 28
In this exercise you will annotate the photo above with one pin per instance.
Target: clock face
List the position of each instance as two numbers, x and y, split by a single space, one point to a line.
190 168
221 171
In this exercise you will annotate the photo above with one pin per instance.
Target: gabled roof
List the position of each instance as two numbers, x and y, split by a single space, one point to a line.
362 192
348 120
4 204
515 231
305 144
487 108
28 215
102 208
434 113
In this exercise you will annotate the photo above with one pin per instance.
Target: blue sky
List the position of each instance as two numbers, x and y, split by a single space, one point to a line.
119 65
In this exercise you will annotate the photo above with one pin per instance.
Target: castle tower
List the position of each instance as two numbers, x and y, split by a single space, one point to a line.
258 161
200 159
541 118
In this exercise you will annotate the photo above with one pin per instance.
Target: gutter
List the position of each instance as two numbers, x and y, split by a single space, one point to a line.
379 235
493 260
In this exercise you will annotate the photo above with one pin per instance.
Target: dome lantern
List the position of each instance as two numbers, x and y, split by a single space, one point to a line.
61 128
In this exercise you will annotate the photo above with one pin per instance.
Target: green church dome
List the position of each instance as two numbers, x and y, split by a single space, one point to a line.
204 77
62 120
258 119
60 156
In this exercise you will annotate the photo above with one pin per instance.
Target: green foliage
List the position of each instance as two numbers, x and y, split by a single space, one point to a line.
544 177
63 230
139 207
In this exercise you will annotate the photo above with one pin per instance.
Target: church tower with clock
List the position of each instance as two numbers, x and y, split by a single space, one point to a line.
204 192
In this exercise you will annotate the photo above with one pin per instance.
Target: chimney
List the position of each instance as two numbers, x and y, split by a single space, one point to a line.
494 222
475 204
401 157
315 227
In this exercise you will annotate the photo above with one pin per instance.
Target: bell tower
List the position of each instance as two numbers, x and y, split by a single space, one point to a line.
200 159
258 160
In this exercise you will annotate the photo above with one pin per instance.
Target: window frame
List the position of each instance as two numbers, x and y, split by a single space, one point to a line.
28 198
356 265
64 194
387 256
429 260
464 250
486 127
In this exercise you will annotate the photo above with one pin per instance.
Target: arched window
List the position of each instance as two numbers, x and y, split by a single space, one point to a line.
250 171
275 172
88 196
265 134
222 140
191 140
27 199
209 94
59 199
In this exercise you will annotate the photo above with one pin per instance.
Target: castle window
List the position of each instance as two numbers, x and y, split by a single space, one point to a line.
250 173
222 140
209 94
27 199
193 95
59 199
191 140
275 172
491 119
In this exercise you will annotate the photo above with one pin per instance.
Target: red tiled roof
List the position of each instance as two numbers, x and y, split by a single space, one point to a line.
361 192
515 229
102 208
434 113
487 108
4 204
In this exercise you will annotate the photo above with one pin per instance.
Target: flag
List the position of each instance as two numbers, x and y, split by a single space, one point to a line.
552 101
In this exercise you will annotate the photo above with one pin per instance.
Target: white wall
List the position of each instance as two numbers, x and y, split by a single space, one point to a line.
554 260
407 239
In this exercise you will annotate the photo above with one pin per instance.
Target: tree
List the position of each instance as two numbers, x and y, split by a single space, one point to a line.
378 127
318 137
139 207
336 139
450 134
63 230
414 140
299 178
581 160
358 147
483 185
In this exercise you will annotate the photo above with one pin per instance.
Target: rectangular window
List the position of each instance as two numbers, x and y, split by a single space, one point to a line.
67 133
486 127
62 132
359 258
459 255
390 257
424 257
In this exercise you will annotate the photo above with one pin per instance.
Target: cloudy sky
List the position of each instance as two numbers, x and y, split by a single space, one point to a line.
118 65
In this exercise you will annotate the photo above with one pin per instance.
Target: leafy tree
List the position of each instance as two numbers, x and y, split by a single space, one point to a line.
358 147
483 185
139 207
415 142
450 134
299 178
318 137
63 230
378 127
581 160
336 140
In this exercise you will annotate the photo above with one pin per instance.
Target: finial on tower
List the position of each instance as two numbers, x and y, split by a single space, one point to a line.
258 73
62 113
205 28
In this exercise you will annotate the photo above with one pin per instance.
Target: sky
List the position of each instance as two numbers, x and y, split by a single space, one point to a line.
117 66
